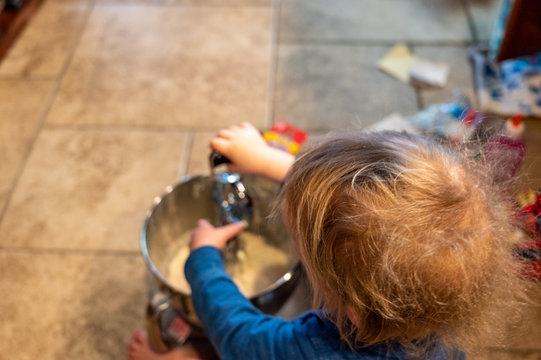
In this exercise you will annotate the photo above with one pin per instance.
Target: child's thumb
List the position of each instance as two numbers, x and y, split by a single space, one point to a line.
230 230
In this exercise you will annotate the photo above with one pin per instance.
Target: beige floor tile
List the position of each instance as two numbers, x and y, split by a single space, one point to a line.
198 163
322 87
21 110
90 189
173 66
460 75
376 20
523 336
70 306
44 48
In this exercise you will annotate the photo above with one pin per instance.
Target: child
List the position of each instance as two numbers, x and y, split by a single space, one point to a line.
404 244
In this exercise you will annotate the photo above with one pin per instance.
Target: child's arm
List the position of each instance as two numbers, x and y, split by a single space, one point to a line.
249 153
235 327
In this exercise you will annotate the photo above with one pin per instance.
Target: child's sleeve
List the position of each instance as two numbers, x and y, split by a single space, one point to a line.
236 328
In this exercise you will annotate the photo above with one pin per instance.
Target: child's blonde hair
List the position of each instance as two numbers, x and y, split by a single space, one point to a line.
403 241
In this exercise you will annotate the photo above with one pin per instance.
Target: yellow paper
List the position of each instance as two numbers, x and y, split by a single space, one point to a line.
398 62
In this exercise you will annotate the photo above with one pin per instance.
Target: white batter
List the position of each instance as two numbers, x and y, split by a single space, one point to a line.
259 264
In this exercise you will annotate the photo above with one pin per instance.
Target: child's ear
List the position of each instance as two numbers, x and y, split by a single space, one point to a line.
352 314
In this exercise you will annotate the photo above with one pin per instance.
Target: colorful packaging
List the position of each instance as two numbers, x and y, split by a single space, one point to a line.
285 136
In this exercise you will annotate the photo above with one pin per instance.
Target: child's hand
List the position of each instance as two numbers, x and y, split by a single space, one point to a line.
244 146
249 152
207 235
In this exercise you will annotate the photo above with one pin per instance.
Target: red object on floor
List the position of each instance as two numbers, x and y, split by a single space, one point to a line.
285 137
290 131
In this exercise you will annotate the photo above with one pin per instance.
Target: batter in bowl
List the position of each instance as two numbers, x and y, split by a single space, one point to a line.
259 264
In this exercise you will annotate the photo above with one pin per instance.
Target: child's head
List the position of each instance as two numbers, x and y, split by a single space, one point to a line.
401 239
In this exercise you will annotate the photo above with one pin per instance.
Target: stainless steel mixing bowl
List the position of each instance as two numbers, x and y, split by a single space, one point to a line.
177 212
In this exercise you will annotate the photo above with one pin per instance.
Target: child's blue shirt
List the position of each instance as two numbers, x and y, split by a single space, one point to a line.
238 330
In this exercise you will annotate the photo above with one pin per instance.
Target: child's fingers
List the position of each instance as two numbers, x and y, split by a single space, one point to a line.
220 145
226 133
207 235
246 125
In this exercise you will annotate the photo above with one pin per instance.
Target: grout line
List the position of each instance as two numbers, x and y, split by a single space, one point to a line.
419 98
410 46
65 251
185 155
372 42
28 150
273 66
41 123
77 40
469 18
418 92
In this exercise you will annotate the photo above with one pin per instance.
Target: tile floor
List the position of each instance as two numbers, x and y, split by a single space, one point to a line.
105 102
